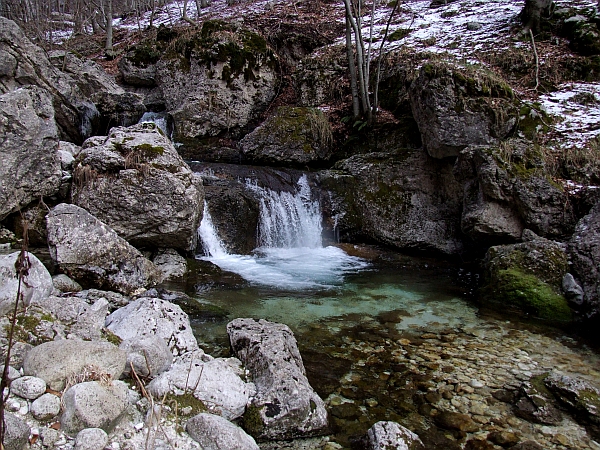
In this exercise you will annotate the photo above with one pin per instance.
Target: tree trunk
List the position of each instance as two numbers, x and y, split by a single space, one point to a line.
108 48
352 69
533 12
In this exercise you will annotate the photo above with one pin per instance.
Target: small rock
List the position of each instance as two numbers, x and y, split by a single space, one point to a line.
215 433
65 284
455 421
13 373
392 436
46 407
50 436
149 355
503 438
527 445
476 383
17 433
473 26
28 387
91 439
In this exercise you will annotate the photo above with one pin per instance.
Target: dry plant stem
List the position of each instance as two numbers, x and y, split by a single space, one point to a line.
537 61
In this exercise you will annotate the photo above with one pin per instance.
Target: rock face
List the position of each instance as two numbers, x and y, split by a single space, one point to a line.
72 113
584 251
215 433
456 107
36 286
135 181
216 384
55 361
528 276
576 394
30 166
93 254
285 405
294 136
216 80
154 317
392 436
402 198
118 109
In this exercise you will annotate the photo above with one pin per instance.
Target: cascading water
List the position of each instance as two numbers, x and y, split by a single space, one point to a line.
162 121
290 254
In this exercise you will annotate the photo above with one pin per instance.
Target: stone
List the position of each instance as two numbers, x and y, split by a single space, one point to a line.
216 433
34 216
28 387
93 405
65 284
455 421
138 66
154 317
117 109
30 166
138 185
170 263
17 433
36 286
92 253
474 26
503 438
576 394
149 355
285 405
13 373
535 403
456 107
46 407
215 383
55 361
115 300
91 439
572 289
392 436
294 136
527 445
51 437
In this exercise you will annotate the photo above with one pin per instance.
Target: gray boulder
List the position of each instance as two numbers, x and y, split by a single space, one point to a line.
74 115
17 433
138 66
30 166
294 136
216 383
576 394
149 355
536 404
91 439
457 106
216 433
93 405
584 252
56 361
36 286
285 405
65 284
135 181
154 317
28 387
118 109
170 263
392 436
93 254
46 407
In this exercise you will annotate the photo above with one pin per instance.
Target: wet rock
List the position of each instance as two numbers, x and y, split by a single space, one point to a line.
154 317
55 361
149 355
577 394
170 263
455 421
93 405
37 286
91 439
215 384
535 403
527 445
92 253
216 433
390 436
46 407
30 166
118 109
503 438
135 182
285 405
65 284
573 291
16 434
479 444
28 387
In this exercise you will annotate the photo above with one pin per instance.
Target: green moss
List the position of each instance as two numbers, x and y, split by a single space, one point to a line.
111 337
400 33
47 317
532 295
145 54
533 121
149 149
252 420
186 400
29 323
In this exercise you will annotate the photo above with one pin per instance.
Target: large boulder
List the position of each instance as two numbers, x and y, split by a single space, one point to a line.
216 80
216 433
285 405
36 286
135 181
29 162
56 361
147 317
294 136
216 384
402 198
528 276
578 395
584 252
457 106
74 115
93 254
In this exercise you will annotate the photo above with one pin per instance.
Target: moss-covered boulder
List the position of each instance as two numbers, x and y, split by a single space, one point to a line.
293 136
456 106
528 277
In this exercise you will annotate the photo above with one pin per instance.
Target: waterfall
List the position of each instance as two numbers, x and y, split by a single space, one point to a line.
162 121
211 244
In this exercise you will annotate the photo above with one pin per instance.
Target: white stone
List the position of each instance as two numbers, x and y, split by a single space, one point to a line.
390 436
46 407
216 433
28 387
91 439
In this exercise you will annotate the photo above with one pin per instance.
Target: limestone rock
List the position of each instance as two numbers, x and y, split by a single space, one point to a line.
535 403
154 317
294 136
55 361
456 107
17 433
115 300
118 109
93 405
37 286
13 373
29 162
170 263
46 407
285 405
93 254
149 355
217 383
28 387
139 186
456 421
65 284
91 439
216 433
392 436
578 395
35 217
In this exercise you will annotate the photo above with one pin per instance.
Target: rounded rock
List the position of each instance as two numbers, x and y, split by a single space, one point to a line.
28 387
91 439
46 407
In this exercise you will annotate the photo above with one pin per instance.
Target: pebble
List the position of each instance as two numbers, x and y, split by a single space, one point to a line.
476 383
46 407
28 387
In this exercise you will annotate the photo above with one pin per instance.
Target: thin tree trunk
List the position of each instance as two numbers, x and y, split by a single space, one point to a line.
378 76
108 48
352 69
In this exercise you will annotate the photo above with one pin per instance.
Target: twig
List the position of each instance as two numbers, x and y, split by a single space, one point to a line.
537 61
